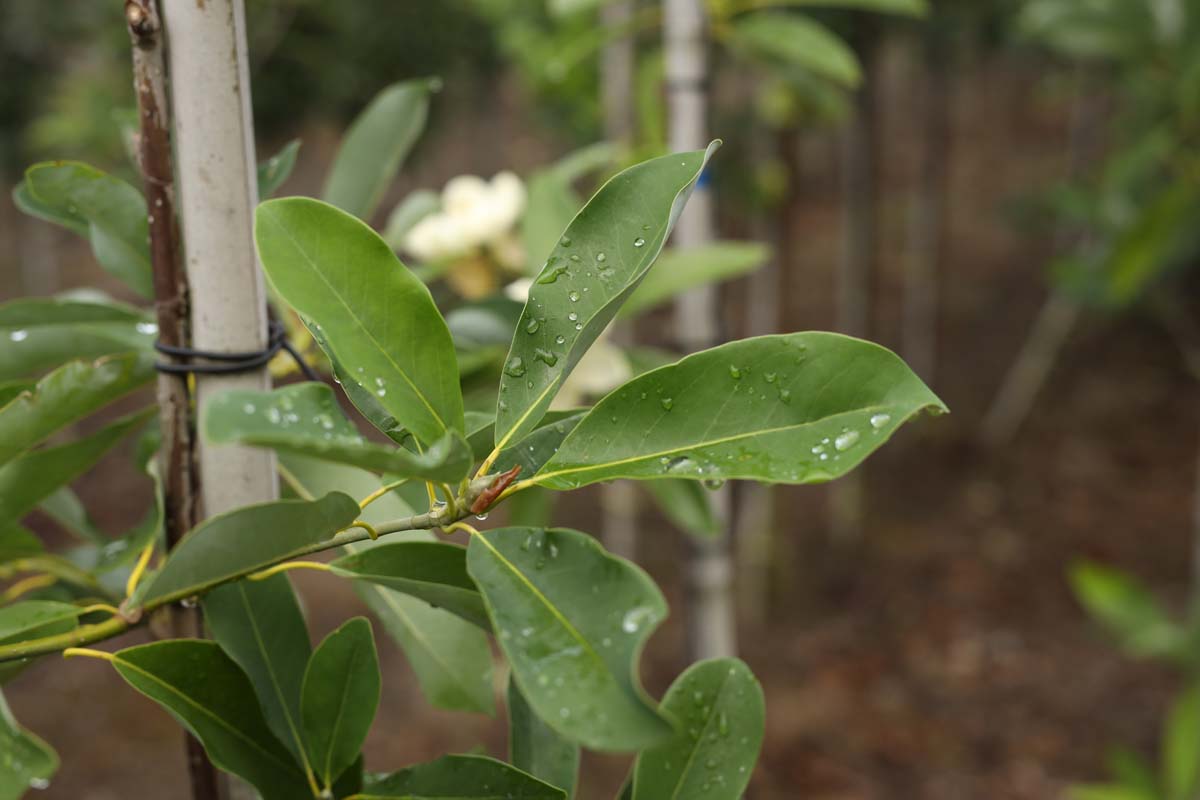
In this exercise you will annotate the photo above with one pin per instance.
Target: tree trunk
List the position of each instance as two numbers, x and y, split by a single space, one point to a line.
619 500
697 312
860 247
920 325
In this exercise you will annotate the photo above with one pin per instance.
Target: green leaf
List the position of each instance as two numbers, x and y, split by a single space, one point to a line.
208 694
21 621
65 508
796 41
16 542
230 544
534 747
67 394
678 270
412 209
720 703
795 408
260 626
1109 791
538 447
27 480
341 693
461 778
27 762
909 8
375 315
305 419
376 145
572 620
40 333
686 504
436 572
9 390
1181 747
367 403
1130 612
276 169
25 200
114 211
450 657
598 262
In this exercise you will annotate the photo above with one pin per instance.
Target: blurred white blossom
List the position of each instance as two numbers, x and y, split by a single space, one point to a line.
474 214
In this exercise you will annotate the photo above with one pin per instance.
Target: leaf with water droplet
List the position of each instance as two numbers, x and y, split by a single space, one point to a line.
535 747
25 760
731 434
606 708
725 701
322 431
657 187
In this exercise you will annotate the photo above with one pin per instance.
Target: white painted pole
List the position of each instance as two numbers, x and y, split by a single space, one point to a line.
697 312
214 144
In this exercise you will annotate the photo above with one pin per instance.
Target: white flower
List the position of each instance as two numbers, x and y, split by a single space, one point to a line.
475 213
519 289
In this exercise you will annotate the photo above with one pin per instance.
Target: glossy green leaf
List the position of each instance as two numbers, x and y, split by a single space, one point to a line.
538 447
64 507
260 626
367 403
276 169
207 693
451 657
375 315
534 747
1181 747
719 704
40 333
597 264
18 621
686 504
350 782
795 408
436 572
26 762
25 200
305 419
797 41
114 211
1130 612
67 394
678 270
28 479
376 145
248 538
461 778
341 693
572 620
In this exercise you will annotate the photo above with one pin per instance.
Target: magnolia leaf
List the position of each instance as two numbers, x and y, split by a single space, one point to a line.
538 447
276 169
114 212
1131 613
572 620
720 705
40 333
305 419
16 542
248 538
376 145
686 504
680 269
260 626
795 408
28 479
64 507
208 694
597 264
797 41
374 314
460 778
533 746
1181 743
26 761
67 394
340 695
451 657
19 621
436 572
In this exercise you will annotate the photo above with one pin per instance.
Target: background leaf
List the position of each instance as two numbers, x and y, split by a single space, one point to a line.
40 333
206 692
1130 613
796 41
598 262
374 314
533 746
26 762
341 693
276 169
1181 747
686 504
375 146
680 269
796 408
719 704
461 778
572 620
